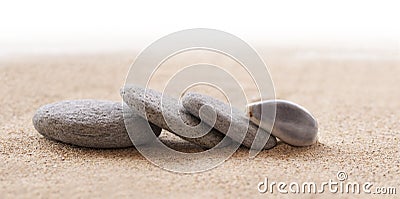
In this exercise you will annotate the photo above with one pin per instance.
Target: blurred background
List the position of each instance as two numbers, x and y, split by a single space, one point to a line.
46 26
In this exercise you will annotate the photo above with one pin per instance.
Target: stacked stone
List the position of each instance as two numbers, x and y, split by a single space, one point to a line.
198 118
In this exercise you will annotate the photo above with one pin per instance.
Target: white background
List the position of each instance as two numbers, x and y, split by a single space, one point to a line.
78 25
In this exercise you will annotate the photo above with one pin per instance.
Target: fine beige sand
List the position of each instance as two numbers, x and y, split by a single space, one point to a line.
353 93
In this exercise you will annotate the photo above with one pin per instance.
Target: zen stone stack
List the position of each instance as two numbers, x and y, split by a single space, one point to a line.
199 119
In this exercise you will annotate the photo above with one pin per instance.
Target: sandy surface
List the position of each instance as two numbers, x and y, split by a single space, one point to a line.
353 94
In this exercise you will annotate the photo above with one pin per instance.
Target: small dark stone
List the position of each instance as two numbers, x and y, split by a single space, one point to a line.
293 125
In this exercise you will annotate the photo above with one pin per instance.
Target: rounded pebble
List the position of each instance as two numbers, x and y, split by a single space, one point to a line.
179 120
89 123
293 124
226 117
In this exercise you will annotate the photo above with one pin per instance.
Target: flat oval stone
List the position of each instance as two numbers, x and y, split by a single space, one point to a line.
154 105
89 123
293 125
224 117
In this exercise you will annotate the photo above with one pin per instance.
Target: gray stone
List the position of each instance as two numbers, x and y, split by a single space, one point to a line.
225 117
293 125
154 105
89 123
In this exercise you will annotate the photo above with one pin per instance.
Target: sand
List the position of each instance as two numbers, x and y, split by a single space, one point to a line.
354 95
